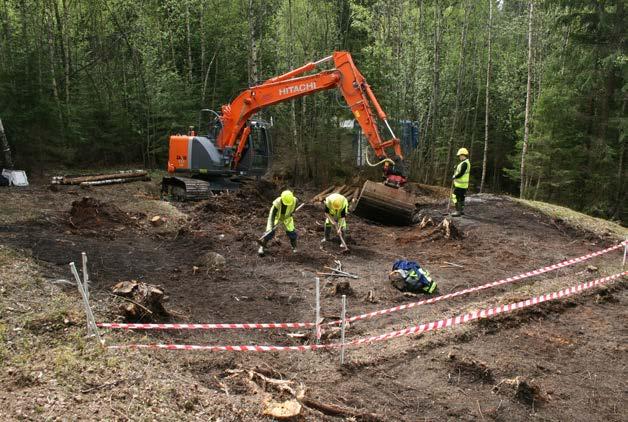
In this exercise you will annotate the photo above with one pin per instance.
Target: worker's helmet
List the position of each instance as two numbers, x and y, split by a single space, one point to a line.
337 201
287 197
397 279
463 151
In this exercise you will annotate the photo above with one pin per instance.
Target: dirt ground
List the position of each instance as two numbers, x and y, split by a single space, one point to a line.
560 361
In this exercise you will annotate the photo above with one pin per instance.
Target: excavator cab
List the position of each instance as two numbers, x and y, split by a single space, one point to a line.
257 156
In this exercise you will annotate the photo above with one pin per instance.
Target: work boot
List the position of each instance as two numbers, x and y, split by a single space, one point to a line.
293 243
458 211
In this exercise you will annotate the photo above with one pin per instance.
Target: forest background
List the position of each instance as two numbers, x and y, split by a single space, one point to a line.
536 90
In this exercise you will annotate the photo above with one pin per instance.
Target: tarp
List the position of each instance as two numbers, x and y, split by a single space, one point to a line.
16 177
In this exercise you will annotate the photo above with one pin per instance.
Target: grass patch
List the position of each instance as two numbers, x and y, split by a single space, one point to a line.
598 226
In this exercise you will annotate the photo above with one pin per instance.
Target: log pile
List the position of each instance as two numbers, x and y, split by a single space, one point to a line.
125 176
350 192
142 301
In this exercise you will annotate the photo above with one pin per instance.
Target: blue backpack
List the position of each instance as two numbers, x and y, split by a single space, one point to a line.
402 264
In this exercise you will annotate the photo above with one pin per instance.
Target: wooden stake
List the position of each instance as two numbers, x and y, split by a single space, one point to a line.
623 263
91 321
85 275
318 310
342 329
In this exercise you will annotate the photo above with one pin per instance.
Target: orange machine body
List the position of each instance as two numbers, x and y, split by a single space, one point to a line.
178 153
231 141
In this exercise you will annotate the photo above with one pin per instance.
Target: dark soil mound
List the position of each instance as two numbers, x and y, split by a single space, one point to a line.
90 213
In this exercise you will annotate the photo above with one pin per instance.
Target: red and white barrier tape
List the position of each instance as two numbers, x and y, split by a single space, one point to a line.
139 326
417 329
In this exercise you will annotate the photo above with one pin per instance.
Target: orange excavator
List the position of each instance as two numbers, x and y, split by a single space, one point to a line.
238 144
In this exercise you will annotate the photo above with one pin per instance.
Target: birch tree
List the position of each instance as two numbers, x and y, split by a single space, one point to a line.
526 133
487 97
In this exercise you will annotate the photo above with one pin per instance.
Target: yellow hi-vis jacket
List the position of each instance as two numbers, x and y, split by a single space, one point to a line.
462 181
282 213
337 214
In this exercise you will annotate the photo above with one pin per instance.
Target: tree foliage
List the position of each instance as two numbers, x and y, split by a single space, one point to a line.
101 82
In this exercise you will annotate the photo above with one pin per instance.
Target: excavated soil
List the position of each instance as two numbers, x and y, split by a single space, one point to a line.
555 349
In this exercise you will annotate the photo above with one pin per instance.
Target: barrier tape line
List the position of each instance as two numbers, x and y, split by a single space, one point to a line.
183 326
139 326
478 288
417 329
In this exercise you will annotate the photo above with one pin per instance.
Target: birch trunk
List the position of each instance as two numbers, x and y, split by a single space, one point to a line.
487 99
187 36
53 77
454 124
436 88
526 132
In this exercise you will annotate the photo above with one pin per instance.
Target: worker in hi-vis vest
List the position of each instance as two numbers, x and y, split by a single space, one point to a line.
281 213
336 209
461 181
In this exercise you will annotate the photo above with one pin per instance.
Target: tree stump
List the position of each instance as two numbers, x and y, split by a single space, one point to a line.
143 301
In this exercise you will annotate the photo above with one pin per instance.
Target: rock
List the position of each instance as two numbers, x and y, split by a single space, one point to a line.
213 260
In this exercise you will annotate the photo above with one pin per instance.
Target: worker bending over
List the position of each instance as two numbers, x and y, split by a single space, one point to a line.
408 276
336 209
281 213
461 181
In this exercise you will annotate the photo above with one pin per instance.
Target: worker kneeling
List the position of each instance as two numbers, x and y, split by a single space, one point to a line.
408 276
281 213
336 209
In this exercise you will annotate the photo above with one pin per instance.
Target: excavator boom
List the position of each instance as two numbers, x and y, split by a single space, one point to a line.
224 154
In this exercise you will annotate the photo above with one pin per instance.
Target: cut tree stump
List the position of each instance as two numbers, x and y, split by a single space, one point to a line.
143 301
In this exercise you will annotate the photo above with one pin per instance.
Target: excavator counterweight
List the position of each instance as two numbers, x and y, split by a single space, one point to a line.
240 146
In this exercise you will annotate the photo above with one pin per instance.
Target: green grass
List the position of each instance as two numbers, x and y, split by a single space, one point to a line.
577 220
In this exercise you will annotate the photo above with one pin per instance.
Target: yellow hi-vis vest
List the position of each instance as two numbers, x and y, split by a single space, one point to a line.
285 218
462 181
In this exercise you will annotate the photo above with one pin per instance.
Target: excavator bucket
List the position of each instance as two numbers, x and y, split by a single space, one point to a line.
387 205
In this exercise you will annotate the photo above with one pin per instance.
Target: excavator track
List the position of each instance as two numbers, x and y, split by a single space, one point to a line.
189 189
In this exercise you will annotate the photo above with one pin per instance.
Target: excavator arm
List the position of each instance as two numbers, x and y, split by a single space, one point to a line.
344 76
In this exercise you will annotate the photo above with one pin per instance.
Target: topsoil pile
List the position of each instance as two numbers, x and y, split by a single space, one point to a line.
91 213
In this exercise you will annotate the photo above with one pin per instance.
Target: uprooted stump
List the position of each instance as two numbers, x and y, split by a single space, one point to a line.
526 391
429 231
143 301
339 288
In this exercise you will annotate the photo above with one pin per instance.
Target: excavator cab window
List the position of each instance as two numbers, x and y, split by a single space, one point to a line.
256 158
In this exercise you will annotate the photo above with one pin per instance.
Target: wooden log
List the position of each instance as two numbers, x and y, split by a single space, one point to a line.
115 181
322 194
80 179
338 190
355 195
386 205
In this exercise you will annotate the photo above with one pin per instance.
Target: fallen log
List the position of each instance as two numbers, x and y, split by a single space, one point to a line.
322 194
115 181
77 180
